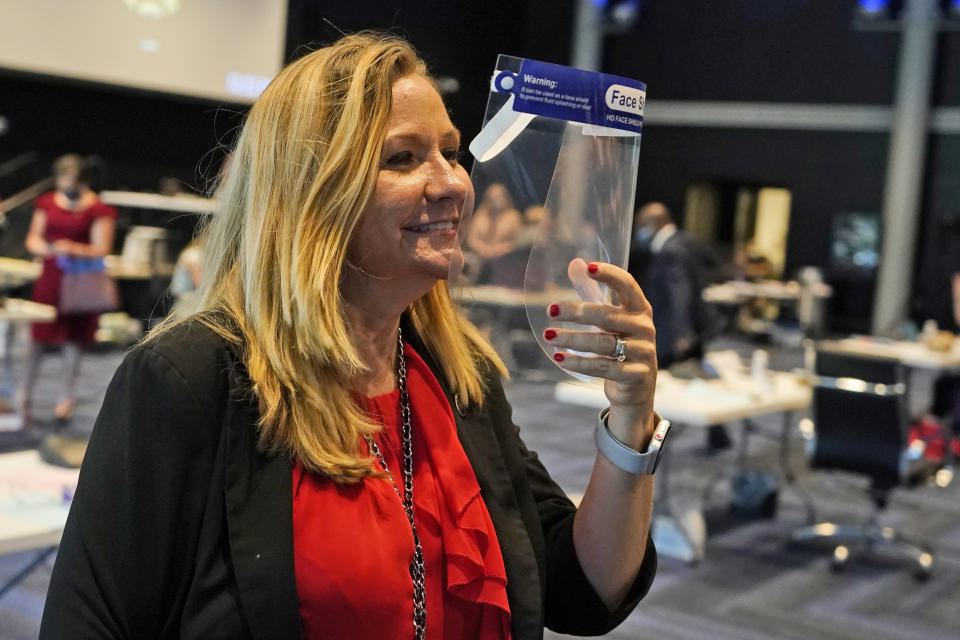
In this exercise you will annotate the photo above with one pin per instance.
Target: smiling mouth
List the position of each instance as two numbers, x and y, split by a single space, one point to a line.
448 225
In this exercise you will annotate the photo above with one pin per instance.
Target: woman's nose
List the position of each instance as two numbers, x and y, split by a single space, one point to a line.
446 181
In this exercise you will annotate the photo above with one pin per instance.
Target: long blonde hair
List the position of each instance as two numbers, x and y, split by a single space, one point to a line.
304 167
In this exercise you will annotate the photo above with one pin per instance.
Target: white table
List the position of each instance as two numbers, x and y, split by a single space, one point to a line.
503 311
739 291
16 273
34 503
14 311
184 203
701 403
809 299
17 310
512 298
911 354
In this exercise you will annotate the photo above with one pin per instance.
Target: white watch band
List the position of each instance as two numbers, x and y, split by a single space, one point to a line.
623 456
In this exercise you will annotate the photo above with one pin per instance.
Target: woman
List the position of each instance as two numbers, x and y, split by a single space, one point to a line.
324 448
496 224
495 240
69 222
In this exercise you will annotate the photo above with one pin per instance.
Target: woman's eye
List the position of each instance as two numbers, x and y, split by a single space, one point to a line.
399 159
452 155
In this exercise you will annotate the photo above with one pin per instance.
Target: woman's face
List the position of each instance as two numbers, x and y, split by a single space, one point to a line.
408 230
68 183
496 198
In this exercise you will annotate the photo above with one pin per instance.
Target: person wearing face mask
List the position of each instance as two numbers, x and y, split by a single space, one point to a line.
673 279
672 270
68 222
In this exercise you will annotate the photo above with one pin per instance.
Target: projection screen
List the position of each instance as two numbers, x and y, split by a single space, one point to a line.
219 49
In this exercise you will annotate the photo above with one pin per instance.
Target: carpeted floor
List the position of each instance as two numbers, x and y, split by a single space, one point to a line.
751 584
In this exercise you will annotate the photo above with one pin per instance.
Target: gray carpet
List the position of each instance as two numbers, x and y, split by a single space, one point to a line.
751 584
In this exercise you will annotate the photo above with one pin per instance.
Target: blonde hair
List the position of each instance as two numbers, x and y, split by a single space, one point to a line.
304 168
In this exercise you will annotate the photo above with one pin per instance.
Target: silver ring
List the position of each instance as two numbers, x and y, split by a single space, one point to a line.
620 351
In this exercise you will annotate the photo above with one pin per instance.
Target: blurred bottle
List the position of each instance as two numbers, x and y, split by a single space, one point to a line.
758 365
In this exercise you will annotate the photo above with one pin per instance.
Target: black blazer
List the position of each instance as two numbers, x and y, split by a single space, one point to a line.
672 283
180 528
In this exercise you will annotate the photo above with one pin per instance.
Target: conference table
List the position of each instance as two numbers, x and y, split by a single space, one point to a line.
808 298
15 272
914 355
503 312
34 503
702 403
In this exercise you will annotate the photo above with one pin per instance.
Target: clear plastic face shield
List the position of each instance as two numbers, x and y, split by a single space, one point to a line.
555 169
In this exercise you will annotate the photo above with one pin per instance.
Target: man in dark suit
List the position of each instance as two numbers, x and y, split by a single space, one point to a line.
672 280
671 268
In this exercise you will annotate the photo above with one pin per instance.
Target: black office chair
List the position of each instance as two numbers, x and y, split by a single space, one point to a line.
860 425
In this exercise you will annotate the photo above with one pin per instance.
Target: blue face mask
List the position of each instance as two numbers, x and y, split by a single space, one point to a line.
71 194
643 235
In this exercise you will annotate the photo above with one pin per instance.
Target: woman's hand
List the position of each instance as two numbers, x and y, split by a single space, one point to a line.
73 249
62 247
630 384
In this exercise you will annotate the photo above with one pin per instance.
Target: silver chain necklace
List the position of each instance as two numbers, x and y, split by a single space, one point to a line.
416 565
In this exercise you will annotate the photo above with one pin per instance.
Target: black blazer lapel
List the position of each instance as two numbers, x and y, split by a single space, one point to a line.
259 503
523 573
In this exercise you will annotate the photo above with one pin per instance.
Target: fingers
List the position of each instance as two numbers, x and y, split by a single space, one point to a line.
587 288
633 378
622 283
611 319
602 344
607 368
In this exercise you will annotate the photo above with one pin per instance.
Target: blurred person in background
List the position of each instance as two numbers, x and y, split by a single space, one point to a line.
170 186
946 393
187 273
496 224
672 271
68 222
324 449
496 236
673 280
750 264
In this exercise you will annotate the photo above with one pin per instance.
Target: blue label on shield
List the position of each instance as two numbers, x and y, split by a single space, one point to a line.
565 93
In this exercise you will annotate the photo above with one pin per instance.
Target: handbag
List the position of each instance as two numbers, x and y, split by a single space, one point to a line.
86 287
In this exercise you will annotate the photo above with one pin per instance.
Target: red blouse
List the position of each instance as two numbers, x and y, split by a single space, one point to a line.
353 545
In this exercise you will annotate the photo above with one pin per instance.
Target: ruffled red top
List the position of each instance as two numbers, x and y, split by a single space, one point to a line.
353 545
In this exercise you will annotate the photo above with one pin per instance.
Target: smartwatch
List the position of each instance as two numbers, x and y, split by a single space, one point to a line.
624 457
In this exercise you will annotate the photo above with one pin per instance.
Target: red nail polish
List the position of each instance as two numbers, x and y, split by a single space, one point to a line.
558 357
549 334
592 267
554 310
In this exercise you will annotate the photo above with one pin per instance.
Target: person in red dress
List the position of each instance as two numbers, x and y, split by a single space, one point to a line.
70 221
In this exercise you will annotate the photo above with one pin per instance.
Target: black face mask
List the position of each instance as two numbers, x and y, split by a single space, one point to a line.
71 194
